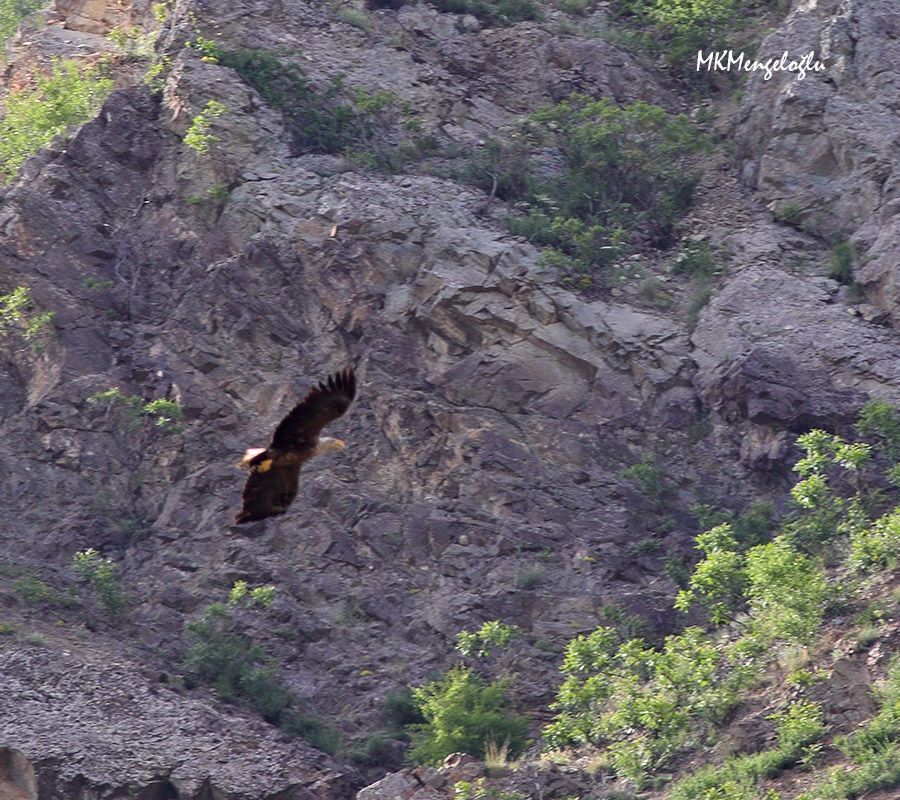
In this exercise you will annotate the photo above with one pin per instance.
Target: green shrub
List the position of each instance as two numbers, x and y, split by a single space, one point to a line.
166 414
133 43
100 574
237 668
754 525
881 420
68 96
646 705
493 634
466 790
318 120
787 592
823 514
12 12
790 214
241 672
18 317
32 590
622 180
197 136
719 579
312 729
463 713
878 544
696 260
356 18
739 777
401 710
687 26
842 258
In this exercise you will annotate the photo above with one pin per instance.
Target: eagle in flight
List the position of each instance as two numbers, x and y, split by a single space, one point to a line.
275 470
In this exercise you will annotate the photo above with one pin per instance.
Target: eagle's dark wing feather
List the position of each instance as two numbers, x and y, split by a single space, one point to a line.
269 492
324 403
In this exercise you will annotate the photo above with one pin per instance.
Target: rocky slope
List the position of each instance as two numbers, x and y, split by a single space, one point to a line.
496 411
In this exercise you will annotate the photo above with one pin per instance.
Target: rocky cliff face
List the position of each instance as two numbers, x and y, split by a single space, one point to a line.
497 409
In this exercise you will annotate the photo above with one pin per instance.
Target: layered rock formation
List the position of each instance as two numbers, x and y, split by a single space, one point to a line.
496 412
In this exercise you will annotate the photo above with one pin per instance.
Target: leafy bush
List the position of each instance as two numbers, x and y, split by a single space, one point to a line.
878 544
787 592
621 179
17 315
12 12
492 634
799 726
463 713
645 704
881 421
687 26
312 729
400 711
100 574
842 258
237 668
166 414
197 136
133 43
679 28
68 96
719 579
32 590
824 513
317 119
696 260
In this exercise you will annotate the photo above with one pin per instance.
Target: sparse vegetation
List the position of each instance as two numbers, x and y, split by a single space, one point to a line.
19 318
493 634
240 671
165 414
68 96
842 259
100 574
12 12
237 668
800 727
622 181
318 119
133 43
198 137
874 751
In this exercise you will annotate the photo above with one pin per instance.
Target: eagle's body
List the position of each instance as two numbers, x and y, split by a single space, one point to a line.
275 470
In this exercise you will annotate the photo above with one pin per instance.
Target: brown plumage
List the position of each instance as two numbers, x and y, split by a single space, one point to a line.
275 470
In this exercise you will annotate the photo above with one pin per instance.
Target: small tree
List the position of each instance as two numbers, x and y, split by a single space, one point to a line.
464 713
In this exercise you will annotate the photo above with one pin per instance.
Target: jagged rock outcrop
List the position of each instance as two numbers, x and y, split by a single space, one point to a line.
827 144
496 411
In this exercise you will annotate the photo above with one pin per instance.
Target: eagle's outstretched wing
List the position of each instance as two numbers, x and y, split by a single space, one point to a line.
269 492
324 403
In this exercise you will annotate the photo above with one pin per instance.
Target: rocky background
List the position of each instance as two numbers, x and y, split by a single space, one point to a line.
497 409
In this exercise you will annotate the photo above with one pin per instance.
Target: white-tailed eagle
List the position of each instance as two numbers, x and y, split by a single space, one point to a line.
275 470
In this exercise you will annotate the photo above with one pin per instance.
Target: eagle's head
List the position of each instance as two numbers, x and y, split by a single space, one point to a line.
327 444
